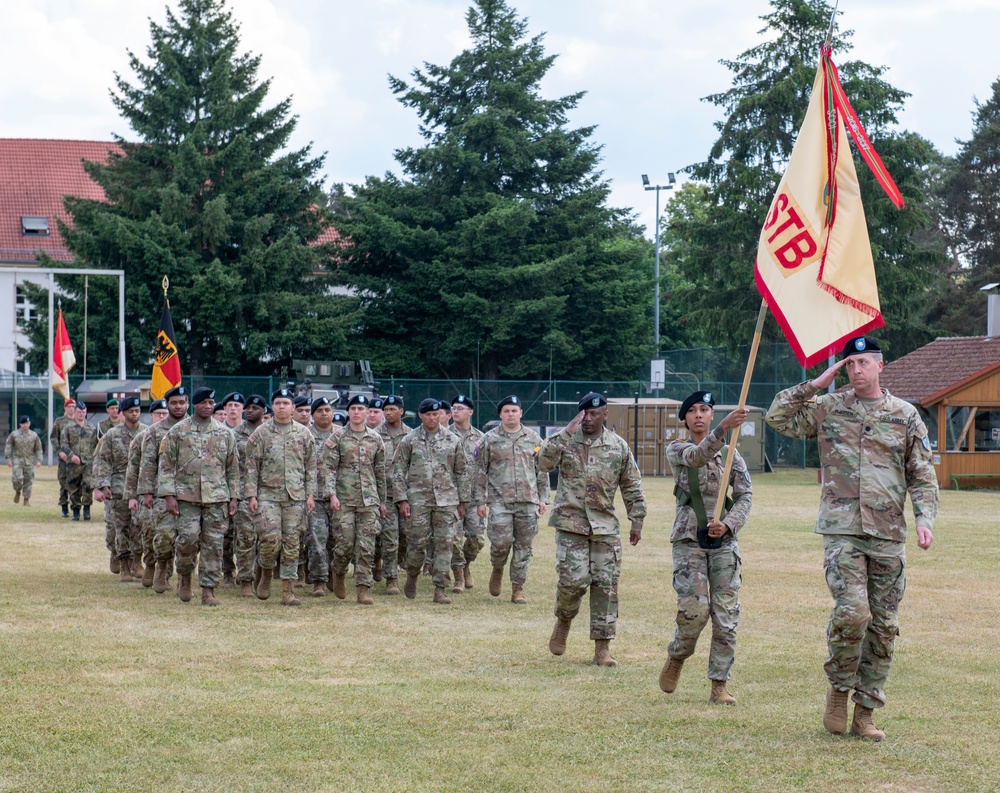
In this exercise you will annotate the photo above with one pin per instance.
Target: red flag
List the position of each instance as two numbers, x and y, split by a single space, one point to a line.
166 363
63 358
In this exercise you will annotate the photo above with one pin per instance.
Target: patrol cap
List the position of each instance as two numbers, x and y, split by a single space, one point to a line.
508 400
860 345
176 391
695 396
429 405
377 404
318 403
201 394
23 420
157 404
393 400
256 400
80 405
358 399
339 418
233 396
282 393
111 403
591 400
130 402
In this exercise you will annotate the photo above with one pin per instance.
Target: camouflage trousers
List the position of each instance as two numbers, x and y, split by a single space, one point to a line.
142 519
355 541
867 578
432 528
120 532
63 490
470 538
200 532
707 583
279 526
387 544
22 476
512 529
319 547
229 547
164 532
246 542
78 486
591 562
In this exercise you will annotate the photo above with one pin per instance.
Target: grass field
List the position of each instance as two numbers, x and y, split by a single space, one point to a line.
107 686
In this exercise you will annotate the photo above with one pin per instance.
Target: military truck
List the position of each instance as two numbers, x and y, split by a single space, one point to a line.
336 380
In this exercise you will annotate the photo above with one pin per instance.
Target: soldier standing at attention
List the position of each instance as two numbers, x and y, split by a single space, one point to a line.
303 410
281 486
79 442
318 547
121 534
113 420
873 449
23 452
430 479
164 522
232 409
354 484
246 534
470 537
375 415
593 464
143 517
511 483
705 553
390 548
55 442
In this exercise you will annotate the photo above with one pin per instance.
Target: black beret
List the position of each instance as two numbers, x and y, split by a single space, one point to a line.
358 399
23 420
176 391
318 403
695 396
301 401
591 400
268 411
462 399
201 394
393 400
508 400
339 418
233 396
257 400
282 393
130 402
377 404
307 381
429 405
445 407
157 404
81 405
861 344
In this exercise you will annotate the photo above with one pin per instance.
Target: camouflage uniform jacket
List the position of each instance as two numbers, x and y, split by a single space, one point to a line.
198 463
390 438
106 426
590 471
242 434
431 469
134 463
354 467
871 455
320 436
55 434
111 462
81 440
507 470
707 458
23 446
149 461
281 463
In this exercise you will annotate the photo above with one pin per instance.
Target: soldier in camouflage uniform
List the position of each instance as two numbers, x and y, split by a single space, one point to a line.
510 482
319 538
147 487
353 465
390 547
246 534
471 534
113 420
79 442
375 415
593 464
23 452
873 449
430 479
142 516
281 491
706 556
199 480
121 534
303 410
55 442
232 419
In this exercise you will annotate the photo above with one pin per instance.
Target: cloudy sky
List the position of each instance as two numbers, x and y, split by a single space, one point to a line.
645 65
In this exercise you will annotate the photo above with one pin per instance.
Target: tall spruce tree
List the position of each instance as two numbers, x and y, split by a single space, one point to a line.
496 244
713 245
208 196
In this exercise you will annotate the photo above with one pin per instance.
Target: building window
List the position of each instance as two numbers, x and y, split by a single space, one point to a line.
34 226
24 309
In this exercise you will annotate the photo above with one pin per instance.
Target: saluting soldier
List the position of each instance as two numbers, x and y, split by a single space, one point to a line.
142 515
79 442
470 536
55 442
246 534
281 485
594 463
390 547
318 548
23 452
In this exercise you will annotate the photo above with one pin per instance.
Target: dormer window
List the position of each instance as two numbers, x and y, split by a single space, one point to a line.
34 226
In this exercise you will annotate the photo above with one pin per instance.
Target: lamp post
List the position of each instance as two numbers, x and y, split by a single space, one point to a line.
672 180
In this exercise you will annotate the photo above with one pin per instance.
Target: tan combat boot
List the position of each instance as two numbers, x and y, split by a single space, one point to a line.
246 589
319 589
228 582
184 588
459 585
160 578
469 580
208 597
124 572
340 585
301 580
27 501
363 597
17 496
835 715
264 587
863 726
137 568
391 586
377 571
602 653
517 594
114 565
670 674
147 575
288 593
410 588
720 694
441 597
557 641
496 579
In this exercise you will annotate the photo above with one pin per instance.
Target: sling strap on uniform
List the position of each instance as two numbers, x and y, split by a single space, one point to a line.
693 497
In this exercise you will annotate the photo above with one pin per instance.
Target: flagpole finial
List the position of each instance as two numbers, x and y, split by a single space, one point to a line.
833 19
166 285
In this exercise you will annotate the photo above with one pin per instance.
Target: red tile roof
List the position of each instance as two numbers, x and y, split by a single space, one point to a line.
34 177
928 373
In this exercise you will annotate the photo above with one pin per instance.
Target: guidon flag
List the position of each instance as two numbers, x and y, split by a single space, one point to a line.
166 363
63 358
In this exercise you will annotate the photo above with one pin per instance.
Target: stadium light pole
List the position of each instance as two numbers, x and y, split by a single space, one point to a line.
671 181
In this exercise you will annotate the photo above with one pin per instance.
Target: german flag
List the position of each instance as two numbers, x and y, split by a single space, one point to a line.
166 363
